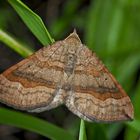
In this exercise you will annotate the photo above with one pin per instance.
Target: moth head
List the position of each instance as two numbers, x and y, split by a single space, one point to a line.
73 39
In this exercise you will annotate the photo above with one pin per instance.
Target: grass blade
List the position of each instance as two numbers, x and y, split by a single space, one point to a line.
33 124
135 125
14 44
82 134
133 130
33 22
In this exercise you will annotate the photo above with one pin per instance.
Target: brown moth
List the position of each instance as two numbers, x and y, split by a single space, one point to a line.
66 72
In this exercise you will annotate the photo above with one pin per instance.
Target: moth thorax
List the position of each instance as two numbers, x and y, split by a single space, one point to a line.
70 63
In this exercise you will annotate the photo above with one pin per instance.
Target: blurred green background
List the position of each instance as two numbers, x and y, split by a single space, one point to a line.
111 28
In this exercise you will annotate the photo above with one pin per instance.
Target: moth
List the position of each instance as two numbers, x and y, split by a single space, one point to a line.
66 72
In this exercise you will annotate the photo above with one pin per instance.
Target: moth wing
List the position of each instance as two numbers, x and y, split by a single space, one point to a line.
33 84
95 94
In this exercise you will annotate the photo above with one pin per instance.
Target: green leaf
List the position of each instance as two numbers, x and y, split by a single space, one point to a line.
33 124
82 134
33 22
14 44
